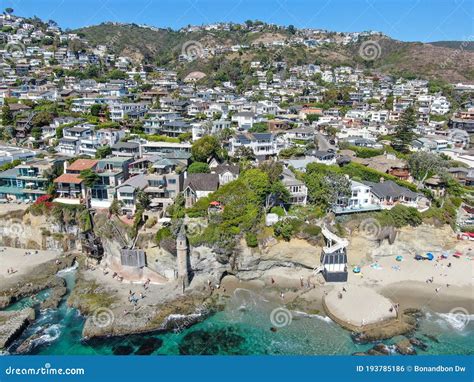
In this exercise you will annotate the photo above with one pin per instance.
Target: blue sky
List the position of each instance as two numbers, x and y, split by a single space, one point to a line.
409 20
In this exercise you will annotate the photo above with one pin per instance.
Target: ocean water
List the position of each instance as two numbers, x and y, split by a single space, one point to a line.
243 328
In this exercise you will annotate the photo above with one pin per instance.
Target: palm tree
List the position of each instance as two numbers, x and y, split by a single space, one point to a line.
90 178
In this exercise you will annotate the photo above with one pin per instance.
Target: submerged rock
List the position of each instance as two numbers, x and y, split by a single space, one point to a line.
122 350
149 346
205 342
418 343
431 337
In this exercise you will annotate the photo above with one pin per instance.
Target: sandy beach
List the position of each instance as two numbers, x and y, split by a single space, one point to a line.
23 264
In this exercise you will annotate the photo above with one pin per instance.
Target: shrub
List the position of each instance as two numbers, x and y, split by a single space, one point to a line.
280 211
283 229
150 222
403 216
286 228
311 230
163 233
251 239
198 168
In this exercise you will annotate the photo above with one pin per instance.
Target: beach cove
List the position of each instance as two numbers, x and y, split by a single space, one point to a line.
240 310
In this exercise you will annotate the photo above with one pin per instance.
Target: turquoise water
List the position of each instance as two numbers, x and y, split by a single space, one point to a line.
243 328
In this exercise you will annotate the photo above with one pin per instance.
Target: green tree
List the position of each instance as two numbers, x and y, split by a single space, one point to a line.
36 133
259 127
7 115
42 118
206 147
423 164
96 109
199 168
312 118
325 184
143 200
103 152
89 177
404 132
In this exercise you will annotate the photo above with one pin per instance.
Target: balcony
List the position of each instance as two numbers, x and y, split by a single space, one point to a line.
340 210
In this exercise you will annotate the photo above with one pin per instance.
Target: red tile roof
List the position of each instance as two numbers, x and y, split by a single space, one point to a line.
82 164
68 178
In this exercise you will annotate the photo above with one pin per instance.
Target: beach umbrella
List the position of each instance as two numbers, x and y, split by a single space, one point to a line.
356 270
429 256
399 258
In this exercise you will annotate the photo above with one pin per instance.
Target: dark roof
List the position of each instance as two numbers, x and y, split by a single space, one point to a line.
202 182
389 188
262 136
320 154
225 167
126 145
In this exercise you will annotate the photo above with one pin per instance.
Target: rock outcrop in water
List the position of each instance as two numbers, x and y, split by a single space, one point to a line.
12 325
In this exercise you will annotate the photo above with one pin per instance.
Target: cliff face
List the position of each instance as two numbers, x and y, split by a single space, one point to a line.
20 229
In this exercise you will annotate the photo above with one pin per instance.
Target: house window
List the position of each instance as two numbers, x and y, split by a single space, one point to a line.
99 194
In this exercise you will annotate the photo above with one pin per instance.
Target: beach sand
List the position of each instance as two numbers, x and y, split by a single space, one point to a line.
358 306
23 264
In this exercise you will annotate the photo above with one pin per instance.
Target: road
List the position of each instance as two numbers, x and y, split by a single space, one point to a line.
323 143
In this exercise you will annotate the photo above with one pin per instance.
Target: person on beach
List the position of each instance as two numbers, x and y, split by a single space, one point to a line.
301 282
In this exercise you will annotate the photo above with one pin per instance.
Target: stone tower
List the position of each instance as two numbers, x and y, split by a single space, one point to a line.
182 257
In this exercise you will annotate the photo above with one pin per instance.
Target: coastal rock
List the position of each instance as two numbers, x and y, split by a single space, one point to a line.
250 275
381 348
28 345
55 298
374 352
5 301
404 347
12 324
205 261
418 343
41 278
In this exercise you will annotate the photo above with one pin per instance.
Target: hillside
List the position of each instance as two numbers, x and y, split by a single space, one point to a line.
465 45
163 46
